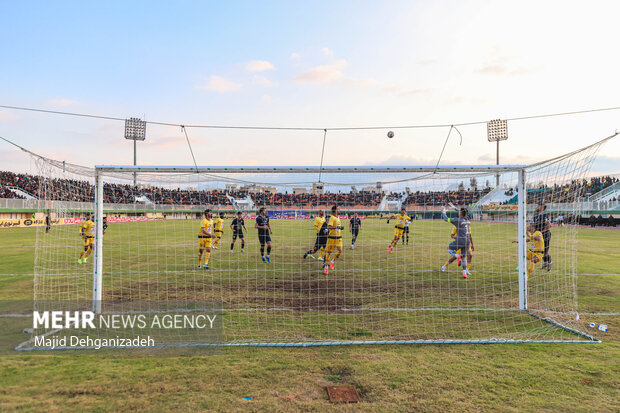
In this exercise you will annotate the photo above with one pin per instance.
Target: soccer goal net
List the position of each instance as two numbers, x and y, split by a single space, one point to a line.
388 266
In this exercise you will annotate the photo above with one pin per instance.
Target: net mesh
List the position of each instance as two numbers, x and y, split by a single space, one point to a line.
411 292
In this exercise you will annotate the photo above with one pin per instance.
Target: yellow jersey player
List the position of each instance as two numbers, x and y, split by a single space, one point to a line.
399 228
321 236
334 239
536 247
218 229
87 232
469 251
205 235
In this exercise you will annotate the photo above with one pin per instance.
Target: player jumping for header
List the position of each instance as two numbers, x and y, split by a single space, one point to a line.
470 251
399 228
461 242
264 233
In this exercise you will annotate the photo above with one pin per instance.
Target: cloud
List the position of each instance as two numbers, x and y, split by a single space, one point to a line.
220 85
508 160
354 82
322 74
263 81
295 56
402 91
327 52
6 116
165 142
259 66
506 66
404 160
62 102
606 164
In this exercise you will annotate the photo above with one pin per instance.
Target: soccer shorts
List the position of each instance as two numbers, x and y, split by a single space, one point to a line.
204 242
89 241
532 254
333 242
458 246
264 238
321 242
237 234
398 232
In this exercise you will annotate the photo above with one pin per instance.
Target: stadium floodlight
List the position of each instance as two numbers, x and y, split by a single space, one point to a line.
497 130
135 130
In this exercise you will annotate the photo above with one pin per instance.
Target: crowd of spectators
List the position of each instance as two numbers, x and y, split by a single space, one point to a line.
564 193
74 190
363 198
438 198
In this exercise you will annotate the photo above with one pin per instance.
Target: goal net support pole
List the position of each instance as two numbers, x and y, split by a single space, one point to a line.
522 235
98 261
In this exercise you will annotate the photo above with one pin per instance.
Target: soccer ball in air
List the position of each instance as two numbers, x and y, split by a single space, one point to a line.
390 134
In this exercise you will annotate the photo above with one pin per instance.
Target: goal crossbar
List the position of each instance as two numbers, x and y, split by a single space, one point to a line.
309 169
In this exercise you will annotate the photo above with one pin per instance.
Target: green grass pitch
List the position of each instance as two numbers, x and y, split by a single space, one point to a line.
552 377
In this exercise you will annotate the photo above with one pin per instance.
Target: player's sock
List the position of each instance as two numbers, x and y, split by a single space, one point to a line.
268 250
81 254
262 251
90 250
453 253
200 255
242 245
207 256
447 263
337 255
232 246
530 268
468 265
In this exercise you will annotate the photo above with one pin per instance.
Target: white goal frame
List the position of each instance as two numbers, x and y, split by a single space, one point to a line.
101 169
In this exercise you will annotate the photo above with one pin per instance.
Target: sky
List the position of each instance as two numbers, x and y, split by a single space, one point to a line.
320 64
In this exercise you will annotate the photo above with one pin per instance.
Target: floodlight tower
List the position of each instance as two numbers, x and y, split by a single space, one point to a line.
497 130
135 130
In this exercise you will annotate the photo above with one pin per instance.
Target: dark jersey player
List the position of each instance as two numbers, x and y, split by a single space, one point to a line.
264 234
238 226
462 239
355 224
542 224
320 225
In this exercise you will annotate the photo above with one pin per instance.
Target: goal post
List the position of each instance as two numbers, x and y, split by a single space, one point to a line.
521 249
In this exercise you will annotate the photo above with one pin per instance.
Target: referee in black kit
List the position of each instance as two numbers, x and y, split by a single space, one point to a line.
542 224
